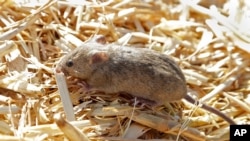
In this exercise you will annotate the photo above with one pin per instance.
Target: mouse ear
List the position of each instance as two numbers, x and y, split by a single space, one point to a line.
98 39
98 57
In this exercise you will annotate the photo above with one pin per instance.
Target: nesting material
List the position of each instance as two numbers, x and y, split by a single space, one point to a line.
208 39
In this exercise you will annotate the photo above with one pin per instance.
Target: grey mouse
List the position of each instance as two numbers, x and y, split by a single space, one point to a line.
141 72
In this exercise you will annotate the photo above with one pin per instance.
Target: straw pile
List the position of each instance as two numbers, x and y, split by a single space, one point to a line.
209 40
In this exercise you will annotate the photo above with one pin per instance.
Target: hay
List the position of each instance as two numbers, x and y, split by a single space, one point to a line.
209 42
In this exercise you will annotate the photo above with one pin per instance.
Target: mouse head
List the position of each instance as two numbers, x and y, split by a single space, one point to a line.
82 61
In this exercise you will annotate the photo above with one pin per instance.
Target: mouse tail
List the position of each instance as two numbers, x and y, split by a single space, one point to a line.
211 109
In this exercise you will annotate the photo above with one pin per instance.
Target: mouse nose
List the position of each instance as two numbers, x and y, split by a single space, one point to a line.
58 69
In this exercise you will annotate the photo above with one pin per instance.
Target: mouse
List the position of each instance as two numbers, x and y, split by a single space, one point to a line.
140 72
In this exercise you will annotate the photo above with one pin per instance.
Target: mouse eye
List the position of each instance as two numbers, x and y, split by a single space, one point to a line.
69 63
